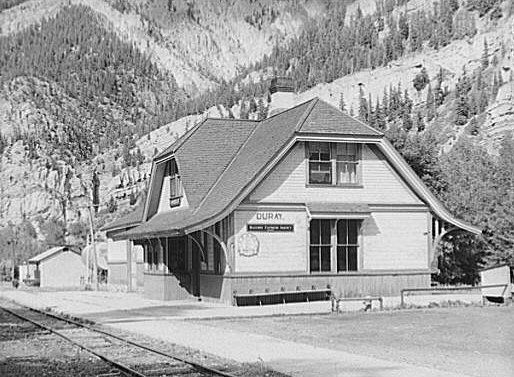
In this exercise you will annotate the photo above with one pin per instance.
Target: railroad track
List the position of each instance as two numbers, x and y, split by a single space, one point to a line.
128 357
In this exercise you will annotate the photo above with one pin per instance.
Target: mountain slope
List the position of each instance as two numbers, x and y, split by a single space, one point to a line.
200 42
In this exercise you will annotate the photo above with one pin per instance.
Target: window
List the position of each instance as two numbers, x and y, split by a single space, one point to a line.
346 163
320 245
342 236
347 244
341 158
175 183
320 165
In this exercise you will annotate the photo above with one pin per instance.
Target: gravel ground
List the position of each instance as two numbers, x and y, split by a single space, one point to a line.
477 341
26 351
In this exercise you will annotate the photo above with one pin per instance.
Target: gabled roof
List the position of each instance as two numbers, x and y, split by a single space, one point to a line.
221 160
50 253
325 118
206 153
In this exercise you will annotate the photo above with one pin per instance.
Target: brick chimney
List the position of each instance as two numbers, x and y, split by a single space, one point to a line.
283 96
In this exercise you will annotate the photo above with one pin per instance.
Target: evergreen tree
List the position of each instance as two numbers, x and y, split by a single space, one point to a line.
406 121
462 110
96 190
430 104
244 112
407 102
421 80
420 124
403 26
262 110
342 105
380 117
473 126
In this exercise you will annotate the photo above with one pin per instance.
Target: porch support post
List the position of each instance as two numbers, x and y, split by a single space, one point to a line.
223 247
436 245
128 248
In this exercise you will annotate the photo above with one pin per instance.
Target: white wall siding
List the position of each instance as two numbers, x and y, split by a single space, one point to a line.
277 251
395 240
287 183
63 270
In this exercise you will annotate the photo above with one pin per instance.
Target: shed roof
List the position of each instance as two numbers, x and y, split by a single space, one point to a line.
129 220
50 253
323 207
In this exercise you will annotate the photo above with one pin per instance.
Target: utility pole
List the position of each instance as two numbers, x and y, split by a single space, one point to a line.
91 278
94 280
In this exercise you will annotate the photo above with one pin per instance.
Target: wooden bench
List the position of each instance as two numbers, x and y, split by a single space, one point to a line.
281 297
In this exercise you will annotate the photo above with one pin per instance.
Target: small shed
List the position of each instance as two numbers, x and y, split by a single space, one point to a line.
497 275
58 267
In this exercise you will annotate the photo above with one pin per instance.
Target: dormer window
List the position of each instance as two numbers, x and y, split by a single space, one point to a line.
325 159
176 190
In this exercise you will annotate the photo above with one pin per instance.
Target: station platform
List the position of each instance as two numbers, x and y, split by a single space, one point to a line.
168 321
113 307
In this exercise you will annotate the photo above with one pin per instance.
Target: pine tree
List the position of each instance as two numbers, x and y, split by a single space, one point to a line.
262 110
420 124
407 102
473 126
421 80
95 180
380 117
430 104
342 105
244 113
406 121
403 26
462 110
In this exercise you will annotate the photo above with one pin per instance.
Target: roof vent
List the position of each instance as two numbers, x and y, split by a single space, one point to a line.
283 96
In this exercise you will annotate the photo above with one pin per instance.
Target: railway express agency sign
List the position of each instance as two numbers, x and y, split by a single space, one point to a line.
269 222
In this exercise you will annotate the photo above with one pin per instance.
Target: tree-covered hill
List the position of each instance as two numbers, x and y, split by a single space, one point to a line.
114 90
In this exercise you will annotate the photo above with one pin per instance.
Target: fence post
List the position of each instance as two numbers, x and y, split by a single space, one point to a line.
402 300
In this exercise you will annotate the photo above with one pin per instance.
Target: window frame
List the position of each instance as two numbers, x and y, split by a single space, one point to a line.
334 247
320 246
347 245
334 163
319 161
175 184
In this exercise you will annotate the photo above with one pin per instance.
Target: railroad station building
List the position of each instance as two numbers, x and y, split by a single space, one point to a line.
308 200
